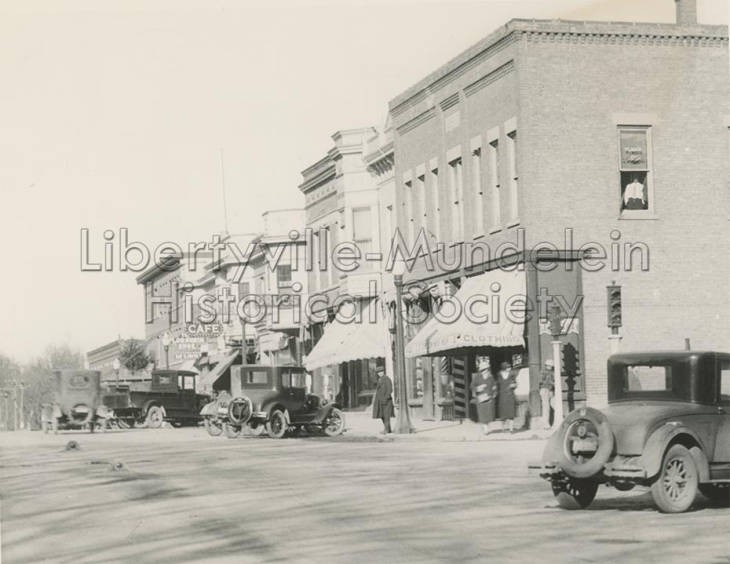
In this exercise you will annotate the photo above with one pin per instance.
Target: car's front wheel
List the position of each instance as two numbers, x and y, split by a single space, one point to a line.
717 494
213 426
675 488
334 425
276 425
154 418
575 493
231 431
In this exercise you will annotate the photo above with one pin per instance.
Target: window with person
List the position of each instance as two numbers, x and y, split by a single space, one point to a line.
635 170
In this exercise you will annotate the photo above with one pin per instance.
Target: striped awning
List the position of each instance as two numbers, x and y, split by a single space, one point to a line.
478 325
364 337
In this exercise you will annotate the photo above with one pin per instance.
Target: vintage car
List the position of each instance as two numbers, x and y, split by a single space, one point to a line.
77 402
274 399
667 427
169 395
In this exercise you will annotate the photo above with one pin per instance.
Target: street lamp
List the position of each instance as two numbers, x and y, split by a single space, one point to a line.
403 419
555 320
116 365
166 344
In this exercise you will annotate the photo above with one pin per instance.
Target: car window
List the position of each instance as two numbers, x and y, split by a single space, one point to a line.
164 380
648 379
189 383
725 383
286 378
257 377
298 380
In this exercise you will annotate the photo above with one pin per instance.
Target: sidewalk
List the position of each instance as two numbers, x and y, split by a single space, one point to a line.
361 424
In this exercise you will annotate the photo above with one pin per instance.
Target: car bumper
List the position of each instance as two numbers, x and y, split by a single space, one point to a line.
622 468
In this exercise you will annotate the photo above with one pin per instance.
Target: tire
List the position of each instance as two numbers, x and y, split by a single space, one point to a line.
676 486
717 494
276 425
257 430
590 424
575 493
154 417
231 431
334 424
213 426
88 418
240 410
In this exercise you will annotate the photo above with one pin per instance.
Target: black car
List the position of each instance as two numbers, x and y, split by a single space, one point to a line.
666 427
273 399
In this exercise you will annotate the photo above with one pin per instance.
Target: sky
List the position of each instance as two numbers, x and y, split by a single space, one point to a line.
115 114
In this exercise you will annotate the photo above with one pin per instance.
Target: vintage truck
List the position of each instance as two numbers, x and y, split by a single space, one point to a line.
77 402
168 395
666 427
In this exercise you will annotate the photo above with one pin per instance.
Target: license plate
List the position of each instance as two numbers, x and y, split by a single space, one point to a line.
222 411
584 445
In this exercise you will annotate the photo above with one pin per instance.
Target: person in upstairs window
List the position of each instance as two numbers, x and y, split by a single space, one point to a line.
634 195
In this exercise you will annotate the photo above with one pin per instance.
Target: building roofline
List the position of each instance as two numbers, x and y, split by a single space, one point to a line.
560 27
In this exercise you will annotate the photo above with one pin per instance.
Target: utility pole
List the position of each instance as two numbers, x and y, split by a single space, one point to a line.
403 423
556 327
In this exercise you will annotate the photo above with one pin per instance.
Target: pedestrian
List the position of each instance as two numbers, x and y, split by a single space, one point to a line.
547 391
484 389
506 402
383 400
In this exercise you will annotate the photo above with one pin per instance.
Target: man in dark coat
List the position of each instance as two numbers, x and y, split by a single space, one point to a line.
383 400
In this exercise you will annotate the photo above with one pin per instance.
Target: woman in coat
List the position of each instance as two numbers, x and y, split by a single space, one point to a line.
383 400
484 391
507 402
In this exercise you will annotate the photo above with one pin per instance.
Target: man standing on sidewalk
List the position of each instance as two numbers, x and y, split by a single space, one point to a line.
547 391
383 400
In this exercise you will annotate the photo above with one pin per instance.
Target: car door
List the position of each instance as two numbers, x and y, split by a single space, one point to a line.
287 396
722 444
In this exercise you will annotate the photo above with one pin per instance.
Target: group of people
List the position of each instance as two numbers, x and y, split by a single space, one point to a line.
494 395
496 398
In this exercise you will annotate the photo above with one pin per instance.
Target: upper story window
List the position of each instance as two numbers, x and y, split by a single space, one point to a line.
283 275
513 184
419 201
635 171
408 205
456 171
494 181
478 199
435 206
362 231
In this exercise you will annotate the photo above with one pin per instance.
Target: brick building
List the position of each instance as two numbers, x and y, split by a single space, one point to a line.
562 146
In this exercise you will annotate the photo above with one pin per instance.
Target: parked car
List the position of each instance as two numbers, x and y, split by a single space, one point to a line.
169 395
666 427
77 402
274 399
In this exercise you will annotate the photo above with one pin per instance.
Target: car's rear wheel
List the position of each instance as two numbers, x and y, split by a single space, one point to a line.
276 425
154 417
675 488
231 431
717 494
575 493
213 426
257 430
335 423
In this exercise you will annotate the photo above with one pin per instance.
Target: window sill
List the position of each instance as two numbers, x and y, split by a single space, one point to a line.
478 236
514 223
638 215
495 229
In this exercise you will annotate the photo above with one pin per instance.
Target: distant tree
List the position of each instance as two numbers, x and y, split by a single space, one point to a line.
37 377
133 355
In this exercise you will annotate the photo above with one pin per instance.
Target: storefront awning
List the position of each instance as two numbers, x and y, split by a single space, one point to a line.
491 316
273 341
343 342
222 363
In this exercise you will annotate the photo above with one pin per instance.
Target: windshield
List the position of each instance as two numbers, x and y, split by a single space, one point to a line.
669 380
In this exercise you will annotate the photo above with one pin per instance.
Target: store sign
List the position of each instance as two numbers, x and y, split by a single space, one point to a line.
633 150
204 329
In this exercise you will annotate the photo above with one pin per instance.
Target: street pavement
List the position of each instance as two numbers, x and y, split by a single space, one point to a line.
178 495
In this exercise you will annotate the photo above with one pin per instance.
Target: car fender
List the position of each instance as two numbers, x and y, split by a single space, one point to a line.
325 410
271 407
658 442
209 409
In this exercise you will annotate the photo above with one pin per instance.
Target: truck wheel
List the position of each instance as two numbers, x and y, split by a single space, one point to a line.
717 494
675 488
154 417
335 423
213 426
231 431
276 425
575 493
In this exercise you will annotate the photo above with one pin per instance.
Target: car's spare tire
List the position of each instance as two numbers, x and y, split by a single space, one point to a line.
585 443
81 414
240 410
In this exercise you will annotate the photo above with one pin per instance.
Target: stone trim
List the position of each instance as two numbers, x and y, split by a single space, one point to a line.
420 119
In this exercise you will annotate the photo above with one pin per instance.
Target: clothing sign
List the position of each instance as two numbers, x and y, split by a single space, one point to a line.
633 150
